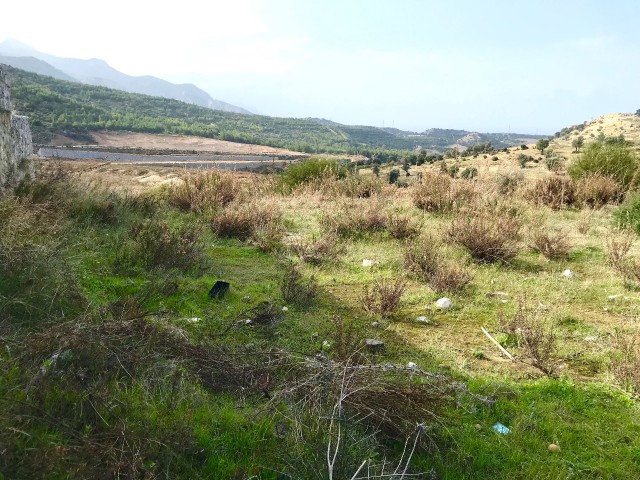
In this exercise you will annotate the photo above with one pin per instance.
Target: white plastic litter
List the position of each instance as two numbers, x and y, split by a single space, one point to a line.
422 319
411 365
367 263
502 429
444 303
567 273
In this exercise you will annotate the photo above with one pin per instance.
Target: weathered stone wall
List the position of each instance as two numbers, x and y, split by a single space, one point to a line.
16 149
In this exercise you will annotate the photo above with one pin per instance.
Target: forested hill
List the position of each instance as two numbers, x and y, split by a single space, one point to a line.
74 109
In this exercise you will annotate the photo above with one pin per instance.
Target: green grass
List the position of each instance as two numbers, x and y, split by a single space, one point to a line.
106 370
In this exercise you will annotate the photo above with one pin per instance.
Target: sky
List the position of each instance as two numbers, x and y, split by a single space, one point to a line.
488 66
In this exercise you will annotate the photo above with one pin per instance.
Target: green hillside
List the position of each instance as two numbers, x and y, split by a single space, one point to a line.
73 109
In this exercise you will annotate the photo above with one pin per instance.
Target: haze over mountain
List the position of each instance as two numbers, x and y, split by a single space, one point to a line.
98 72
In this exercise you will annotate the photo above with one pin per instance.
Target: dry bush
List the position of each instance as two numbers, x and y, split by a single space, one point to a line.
260 222
319 250
619 245
354 219
554 191
426 260
156 244
205 192
439 193
384 297
596 191
402 226
509 183
353 186
491 232
537 341
295 289
450 278
583 225
626 369
554 245
422 257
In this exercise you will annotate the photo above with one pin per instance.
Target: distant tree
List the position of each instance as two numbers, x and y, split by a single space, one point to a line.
577 143
394 175
376 169
406 165
638 112
542 144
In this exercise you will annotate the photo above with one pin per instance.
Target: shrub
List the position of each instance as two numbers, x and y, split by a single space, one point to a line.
626 368
627 215
554 245
614 160
536 339
490 233
450 278
355 219
205 192
318 250
295 289
618 246
438 193
312 169
523 159
596 191
469 173
553 162
394 175
384 297
257 221
425 259
156 244
401 226
554 191
509 182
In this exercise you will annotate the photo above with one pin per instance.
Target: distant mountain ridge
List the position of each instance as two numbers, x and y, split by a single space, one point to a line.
98 72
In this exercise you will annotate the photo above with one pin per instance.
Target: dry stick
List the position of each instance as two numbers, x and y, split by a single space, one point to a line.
502 349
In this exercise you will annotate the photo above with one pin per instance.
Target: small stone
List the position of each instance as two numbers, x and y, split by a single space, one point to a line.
553 448
375 324
248 321
285 309
567 273
373 344
478 427
411 365
422 319
444 303
367 263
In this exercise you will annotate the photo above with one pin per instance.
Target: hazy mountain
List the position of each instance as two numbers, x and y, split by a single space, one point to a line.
32 64
97 72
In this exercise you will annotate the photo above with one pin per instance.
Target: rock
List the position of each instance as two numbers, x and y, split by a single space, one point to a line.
285 309
411 365
422 319
374 345
567 273
367 263
16 148
478 427
444 303
553 448
375 324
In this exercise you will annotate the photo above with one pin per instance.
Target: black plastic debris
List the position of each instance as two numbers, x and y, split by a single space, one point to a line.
219 289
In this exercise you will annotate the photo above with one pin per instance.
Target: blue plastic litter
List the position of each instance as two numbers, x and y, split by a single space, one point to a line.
502 429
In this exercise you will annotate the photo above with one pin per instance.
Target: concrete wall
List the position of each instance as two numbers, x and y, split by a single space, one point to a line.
16 162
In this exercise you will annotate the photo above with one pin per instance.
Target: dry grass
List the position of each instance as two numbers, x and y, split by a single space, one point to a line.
402 226
619 245
295 289
205 192
490 232
554 191
355 218
258 221
596 191
553 244
437 193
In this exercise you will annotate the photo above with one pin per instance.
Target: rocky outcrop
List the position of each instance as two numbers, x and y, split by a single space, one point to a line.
16 161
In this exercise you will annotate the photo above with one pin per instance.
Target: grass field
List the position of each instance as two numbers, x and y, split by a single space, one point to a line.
117 363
